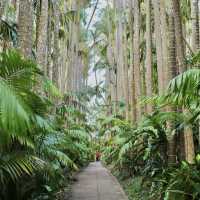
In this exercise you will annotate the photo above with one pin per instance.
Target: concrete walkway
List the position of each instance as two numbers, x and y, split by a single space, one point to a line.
96 183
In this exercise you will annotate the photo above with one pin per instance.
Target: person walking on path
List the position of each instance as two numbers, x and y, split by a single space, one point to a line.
98 156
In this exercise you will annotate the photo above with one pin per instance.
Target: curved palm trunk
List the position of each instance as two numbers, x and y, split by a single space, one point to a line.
25 27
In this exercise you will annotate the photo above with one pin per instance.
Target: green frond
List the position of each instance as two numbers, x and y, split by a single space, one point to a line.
17 71
184 89
14 113
125 148
15 166
51 89
78 134
61 157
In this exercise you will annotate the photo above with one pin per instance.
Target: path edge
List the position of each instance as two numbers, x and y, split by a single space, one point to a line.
116 181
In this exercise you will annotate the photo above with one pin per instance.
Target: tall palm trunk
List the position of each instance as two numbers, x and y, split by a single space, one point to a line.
131 70
195 25
149 71
164 30
119 50
188 134
171 74
74 47
137 73
49 43
111 61
42 36
159 50
179 36
125 70
25 27
55 75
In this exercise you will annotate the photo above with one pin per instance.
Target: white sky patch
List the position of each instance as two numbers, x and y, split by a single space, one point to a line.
100 73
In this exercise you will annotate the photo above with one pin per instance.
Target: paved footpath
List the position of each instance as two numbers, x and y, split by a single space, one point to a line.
96 183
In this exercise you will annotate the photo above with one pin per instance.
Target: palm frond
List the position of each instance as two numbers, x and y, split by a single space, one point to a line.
184 89
14 166
14 113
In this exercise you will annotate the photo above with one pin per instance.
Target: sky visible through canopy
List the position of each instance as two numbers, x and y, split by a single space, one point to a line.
100 74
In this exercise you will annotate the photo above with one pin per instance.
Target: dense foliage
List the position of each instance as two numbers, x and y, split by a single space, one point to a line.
121 77
138 153
40 143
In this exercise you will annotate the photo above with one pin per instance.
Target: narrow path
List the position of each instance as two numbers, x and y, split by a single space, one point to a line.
96 183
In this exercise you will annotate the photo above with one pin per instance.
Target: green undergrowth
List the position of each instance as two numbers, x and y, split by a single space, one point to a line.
173 183
47 142
136 188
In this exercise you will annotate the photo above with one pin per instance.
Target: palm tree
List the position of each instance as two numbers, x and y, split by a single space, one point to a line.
172 72
42 35
159 49
179 36
119 50
164 30
56 15
188 135
136 52
74 35
195 25
125 67
149 62
131 70
25 27
49 42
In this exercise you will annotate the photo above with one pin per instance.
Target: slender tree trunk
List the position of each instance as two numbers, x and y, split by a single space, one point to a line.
55 75
195 25
49 43
179 36
188 135
111 61
42 36
131 70
164 31
159 50
119 50
137 73
25 27
125 71
74 47
171 74
149 71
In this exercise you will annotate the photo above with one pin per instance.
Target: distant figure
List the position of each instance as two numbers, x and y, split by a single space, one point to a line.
98 156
